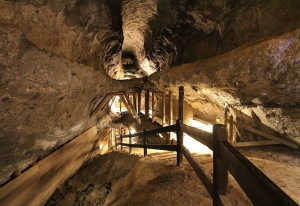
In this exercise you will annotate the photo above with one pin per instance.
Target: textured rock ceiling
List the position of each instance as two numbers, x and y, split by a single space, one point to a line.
58 58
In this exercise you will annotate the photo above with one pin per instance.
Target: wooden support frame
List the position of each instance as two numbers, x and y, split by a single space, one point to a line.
163 109
101 104
153 105
220 172
170 107
147 104
139 101
145 142
130 105
179 134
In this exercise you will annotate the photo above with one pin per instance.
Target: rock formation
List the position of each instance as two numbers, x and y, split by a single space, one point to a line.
59 58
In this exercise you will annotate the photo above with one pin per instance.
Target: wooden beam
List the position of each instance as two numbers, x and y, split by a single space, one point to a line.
103 101
170 108
153 105
139 102
133 109
205 138
220 172
180 105
153 146
231 140
135 98
201 172
147 104
179 135
255 143
125 103
257 186
266 135
163 111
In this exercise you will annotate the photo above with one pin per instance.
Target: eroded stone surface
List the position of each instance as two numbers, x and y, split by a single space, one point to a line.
55 57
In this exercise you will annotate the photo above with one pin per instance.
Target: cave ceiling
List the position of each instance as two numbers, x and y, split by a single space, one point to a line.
59 58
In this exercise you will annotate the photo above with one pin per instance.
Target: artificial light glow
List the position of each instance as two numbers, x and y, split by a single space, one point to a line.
132 130
194 146
115 105
202 126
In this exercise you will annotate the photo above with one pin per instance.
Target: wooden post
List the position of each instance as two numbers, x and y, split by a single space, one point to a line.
225 116
121 140
163 111
178 131
153 105
170 114
147 104
139 102
180 107
220 173
231 129
145 143
109 139
170 108
179 134
135 97
130 142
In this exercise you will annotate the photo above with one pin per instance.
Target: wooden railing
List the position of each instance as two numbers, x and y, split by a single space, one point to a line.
257 186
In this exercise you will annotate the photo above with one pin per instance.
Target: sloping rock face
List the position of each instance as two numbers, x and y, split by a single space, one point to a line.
58 58
259 81
53 57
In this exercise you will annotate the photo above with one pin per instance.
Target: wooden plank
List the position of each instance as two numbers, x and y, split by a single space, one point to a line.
153 105
139 102
153 146
147 104
133 109
170 108
220 171
205 138
255 143
163 119
103 101
162 129
255 131
201 172
125 103
224 200
22 190
258 187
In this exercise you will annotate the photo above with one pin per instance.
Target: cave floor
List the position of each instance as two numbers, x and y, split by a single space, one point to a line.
119 178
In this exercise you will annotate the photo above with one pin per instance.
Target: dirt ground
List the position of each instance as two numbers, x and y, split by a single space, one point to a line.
119 178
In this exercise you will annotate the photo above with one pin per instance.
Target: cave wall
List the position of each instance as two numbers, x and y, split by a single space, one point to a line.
185 31
58 58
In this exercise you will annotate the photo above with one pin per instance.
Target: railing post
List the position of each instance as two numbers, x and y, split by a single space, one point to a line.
163 109
225 116
180 107
130 142
121 141
220 172
145 143
179 134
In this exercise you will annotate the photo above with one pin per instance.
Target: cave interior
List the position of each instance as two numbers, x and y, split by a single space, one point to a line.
59 60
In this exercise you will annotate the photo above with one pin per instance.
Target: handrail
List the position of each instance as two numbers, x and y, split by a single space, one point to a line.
171 128
245 172
201 172
205 138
